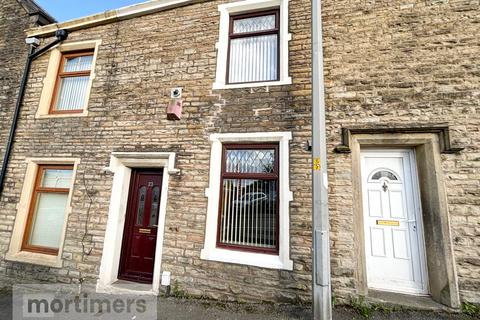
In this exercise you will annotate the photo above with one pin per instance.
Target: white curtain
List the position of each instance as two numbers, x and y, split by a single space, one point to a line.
249 213
253 59
73 90
72 93
48 220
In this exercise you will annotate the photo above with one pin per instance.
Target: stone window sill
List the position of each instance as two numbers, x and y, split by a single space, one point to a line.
247 258
62 115
35 258
222 86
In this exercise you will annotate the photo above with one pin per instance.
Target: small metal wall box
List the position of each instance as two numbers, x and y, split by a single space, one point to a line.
174 109
176 93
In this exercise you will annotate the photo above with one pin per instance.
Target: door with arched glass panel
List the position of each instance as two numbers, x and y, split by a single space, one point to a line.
393 228
141 222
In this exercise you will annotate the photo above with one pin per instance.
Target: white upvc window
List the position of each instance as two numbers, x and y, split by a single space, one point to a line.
253 44
248 200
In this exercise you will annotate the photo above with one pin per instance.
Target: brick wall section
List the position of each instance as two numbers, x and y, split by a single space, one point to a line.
138 62
406 63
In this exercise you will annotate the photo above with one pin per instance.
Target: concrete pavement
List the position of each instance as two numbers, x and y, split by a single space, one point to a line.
191 309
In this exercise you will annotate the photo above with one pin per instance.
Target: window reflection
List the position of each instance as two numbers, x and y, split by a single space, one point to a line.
142 192
154 207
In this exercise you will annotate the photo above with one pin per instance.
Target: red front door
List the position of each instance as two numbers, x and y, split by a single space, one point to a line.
140 232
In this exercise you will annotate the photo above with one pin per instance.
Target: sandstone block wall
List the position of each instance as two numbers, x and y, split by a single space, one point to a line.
13 54
13 21
139 60
405 63
386 63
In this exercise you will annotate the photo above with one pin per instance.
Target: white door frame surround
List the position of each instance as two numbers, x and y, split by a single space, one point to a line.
411 204
121 164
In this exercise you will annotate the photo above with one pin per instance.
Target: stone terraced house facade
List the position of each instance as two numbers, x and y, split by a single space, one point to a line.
15 17
171 137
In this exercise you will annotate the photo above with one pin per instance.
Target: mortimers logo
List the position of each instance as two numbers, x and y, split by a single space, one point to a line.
65 302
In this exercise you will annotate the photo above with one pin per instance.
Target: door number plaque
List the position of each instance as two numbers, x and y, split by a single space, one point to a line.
391 223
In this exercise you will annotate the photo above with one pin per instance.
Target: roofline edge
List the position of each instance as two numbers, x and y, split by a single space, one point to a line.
109 16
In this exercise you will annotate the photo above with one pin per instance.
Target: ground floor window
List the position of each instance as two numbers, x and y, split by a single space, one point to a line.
43 231
42 211
248 215
248 200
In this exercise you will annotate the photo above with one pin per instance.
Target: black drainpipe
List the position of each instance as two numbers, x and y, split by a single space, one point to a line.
32 55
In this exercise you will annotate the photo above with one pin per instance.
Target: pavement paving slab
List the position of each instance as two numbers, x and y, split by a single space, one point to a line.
192 309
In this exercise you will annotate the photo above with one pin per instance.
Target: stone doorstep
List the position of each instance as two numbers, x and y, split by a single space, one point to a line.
423 303
132 286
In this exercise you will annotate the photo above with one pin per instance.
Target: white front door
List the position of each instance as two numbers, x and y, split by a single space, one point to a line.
394 241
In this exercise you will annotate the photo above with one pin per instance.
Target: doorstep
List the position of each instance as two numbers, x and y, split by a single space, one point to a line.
127 287
406 301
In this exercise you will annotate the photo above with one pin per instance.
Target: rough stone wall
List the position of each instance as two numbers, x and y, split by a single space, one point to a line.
13 21
406 63
139 60
387 62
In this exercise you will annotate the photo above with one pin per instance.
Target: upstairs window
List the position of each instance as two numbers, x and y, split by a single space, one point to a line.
254 44
72 82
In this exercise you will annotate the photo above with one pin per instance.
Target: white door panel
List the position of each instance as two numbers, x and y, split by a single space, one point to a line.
375 203
394 245
396 202
377 243
400 244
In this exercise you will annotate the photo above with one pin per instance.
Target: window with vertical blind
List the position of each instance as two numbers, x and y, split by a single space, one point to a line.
254 47
248 219
249 198
72 82
48 206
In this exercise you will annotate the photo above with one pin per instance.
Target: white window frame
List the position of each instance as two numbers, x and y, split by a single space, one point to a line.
226 10
15 252
210 250
50 79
